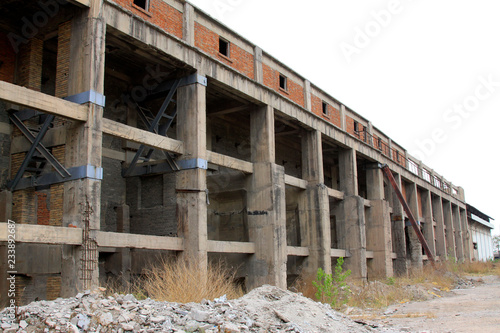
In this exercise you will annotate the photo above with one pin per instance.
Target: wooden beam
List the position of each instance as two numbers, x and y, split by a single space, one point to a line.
122 240
297 251
141 136
296 182
229 162
335 194
38 101
42 234
230 247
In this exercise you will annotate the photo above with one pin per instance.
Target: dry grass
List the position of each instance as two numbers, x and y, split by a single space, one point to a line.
176 281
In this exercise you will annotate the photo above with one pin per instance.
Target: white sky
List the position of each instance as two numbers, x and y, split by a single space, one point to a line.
418 73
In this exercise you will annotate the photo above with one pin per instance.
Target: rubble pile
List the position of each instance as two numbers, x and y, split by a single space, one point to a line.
265 309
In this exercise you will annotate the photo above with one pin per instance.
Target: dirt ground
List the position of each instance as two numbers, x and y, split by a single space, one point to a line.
475 309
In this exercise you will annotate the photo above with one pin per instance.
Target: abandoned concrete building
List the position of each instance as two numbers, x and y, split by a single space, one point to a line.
133 130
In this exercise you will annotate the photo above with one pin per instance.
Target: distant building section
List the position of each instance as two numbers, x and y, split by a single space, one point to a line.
480 228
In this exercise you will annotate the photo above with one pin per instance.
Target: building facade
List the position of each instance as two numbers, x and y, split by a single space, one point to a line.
480 227
133 130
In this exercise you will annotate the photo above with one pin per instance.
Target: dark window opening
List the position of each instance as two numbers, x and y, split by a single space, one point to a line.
475 246
325 109
224 47
379 143
283 84
144 4
356 126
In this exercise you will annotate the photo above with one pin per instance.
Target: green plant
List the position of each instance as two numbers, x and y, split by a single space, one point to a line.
391 281
333 289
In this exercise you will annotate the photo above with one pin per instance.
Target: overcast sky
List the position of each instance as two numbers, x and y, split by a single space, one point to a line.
426 73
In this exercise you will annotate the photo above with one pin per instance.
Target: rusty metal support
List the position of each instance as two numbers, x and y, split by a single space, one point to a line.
388 174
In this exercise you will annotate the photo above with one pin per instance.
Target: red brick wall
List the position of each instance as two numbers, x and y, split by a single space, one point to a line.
30 64
63 54
7 58
43 213
349 124
295 91
208 41
333 115
399 160
160 14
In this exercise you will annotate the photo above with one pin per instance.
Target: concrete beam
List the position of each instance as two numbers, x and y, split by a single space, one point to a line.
230 247
123 240
141 136
42 234
38 101
80 3
438 217
335 194
337 253
229 162
295 182
297 251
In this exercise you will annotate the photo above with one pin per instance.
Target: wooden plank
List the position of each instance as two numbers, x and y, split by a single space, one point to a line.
140 136
230 247
335 194
38 101
42 234
297 251
296 182
339 253
229 162
122 240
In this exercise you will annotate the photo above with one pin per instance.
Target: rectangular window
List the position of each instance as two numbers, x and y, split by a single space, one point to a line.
144 4
356 127
283 83
224 47
325 109
379 143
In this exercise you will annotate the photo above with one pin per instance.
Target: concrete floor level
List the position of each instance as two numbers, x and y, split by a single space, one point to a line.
134 130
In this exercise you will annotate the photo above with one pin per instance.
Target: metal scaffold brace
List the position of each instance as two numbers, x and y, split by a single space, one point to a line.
388 174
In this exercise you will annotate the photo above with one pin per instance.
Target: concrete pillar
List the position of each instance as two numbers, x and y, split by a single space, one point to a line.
369 130
123 225
398 232
415 245
314 206
188 24
84 147
438 216
459 243
466 235
449 231
258 70
428 221
266 206
342 117
351 216
307 95
378 226
191 184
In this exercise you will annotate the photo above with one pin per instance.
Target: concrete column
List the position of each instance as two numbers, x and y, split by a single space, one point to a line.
191 184
459 243
351 216
258 71
415 246
314 206
449 231
84 147
466 235
378 226
188 24
437 213
123 225
307 95
398 232
266 206
369 130
342 118
428 225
